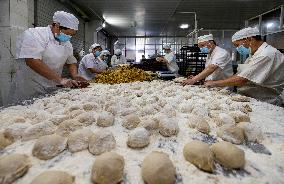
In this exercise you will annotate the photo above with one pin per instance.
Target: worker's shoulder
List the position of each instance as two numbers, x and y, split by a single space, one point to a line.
269 50
221 50
88 56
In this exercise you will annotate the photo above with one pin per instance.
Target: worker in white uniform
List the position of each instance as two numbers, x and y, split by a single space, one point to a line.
42 53
169 59
118 58
262 74
218 64
93 63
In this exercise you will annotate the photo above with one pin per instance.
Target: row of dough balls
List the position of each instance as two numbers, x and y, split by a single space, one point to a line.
108 167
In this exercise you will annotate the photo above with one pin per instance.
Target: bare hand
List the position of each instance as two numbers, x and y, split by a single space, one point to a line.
79 78
68 83
190 76
209 83
188 82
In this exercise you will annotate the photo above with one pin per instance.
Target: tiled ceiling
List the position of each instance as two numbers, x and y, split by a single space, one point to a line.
163 17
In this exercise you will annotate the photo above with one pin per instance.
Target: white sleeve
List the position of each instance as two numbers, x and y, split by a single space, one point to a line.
220 59
259 70
28 46
89 63
113 58
123 59
170 57
71 60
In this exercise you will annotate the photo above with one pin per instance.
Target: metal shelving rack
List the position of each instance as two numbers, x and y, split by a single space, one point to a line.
191 61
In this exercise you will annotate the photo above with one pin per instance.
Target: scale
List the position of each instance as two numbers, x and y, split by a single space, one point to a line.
165 75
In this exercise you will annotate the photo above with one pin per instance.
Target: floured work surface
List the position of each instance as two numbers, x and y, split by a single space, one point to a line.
157 101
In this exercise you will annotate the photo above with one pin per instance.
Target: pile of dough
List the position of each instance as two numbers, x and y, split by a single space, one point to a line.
157 168
54 177
38 130
68 126
4 141
13 167
168 127
199 154
108 169
131 121
231 134
49 146
228 155
79 140
105 119
138 138
102 141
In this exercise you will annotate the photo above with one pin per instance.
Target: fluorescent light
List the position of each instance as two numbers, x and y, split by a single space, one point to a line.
184 26
269 25
104 24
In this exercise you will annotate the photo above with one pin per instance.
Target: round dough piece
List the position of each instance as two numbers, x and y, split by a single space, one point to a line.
79 140
68 126
138 138
231 134
54 177
49 146
203 126
168 127
239 98
102 141
225 119
228 155
157 168
131 121
86 118
199 154
194 120
253 133
150 124
4 141
13 167
105 119
239 116
38 130
108 168
15 131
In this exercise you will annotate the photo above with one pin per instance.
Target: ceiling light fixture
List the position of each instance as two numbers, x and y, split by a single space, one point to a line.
104 24
184 26
269 25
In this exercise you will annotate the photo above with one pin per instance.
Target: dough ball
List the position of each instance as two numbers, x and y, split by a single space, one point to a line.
4 141
138 138
75 113
15 131
38 130
169 110
54 177
150 124
186 108
231 134
157 168
228 155
131 121
203 126
239 98
102 141
108 168
199 154
168 127
127 111
88 106
239 116
57 119
79 140
253 133
68 126
49 146
224 119
105 119
193 120
13 167
86 118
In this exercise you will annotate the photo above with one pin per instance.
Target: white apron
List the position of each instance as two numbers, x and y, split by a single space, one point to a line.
28 84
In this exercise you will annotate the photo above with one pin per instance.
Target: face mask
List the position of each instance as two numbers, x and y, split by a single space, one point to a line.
243 50
204 50
97 53
62 37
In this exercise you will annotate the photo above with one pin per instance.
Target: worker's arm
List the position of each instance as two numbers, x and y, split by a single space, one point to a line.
74 73
205 73
231 81
42 69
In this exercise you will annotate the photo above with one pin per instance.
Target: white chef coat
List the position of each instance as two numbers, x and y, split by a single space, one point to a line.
265 72
90 61
115 60
171 64
39 43
221 58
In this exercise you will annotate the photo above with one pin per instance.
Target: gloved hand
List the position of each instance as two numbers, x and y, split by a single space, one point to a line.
68 83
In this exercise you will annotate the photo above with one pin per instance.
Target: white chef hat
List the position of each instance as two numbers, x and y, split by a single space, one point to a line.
105 53
167 46
94 46
205 38
66 20
245 33
117 52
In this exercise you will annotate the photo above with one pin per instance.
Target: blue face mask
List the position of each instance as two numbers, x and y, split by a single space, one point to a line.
204 50
243 50
97 53
62 37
